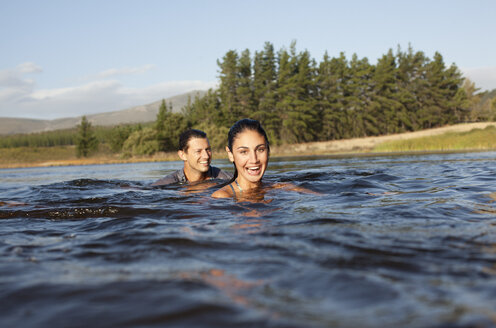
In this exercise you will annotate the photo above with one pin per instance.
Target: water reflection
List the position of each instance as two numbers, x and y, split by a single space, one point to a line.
487 209
230 285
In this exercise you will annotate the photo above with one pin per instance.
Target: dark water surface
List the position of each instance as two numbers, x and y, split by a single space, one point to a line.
396 241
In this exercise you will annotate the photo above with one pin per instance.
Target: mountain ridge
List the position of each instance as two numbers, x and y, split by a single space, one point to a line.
137 114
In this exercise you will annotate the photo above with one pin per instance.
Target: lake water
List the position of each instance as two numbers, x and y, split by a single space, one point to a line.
391 241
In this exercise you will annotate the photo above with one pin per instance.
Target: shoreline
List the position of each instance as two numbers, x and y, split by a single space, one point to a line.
346 147
367 144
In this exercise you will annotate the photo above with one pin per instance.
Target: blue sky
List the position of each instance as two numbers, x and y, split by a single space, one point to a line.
71 58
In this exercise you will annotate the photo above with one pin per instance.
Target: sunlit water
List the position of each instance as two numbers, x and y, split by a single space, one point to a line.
406 241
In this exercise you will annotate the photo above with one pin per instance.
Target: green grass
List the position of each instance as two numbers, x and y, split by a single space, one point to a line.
29 155
11 157
66 155
476 139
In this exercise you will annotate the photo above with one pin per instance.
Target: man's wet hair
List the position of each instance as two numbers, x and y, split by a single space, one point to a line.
187 135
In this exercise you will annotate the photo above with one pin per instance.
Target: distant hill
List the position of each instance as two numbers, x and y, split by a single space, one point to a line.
488 95
138 114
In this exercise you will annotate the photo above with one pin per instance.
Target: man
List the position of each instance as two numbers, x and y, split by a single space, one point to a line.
194 150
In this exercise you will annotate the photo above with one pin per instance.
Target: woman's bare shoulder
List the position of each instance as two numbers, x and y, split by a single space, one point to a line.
292 187
224 192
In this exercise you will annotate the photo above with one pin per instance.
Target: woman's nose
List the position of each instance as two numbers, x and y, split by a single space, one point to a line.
253 156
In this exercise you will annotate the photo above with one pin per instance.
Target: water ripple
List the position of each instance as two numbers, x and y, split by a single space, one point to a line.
393 241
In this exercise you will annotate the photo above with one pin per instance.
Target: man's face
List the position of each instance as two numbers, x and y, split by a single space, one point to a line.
198 155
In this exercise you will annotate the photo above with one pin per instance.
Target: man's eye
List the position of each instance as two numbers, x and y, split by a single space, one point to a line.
261 150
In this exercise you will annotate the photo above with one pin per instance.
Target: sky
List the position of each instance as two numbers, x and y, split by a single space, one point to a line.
71 58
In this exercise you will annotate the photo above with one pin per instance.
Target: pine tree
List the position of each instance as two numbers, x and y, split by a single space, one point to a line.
86 142
162 114
386 104
168 127
264 91
410 80
332 85
327 89
286 86
228 87
359 91
244 89
205 109
454 109
441 97
296 92
305 113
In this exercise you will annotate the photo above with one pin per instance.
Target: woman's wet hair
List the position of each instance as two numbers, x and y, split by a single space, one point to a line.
187 135
242 125
239 127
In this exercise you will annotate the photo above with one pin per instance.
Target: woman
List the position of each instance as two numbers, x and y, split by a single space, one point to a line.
248 148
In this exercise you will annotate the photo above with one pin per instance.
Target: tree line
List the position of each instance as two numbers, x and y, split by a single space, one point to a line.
42 139
299 99
85 136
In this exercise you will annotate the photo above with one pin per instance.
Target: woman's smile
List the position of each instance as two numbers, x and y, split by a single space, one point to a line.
253 170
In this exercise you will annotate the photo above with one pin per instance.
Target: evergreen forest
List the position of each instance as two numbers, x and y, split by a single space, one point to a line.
299 99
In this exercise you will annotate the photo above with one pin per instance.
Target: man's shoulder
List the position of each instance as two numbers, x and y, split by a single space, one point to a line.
177 176
220 174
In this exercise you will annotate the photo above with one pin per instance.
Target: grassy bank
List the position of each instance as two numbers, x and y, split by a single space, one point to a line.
12 157
66 155
476 139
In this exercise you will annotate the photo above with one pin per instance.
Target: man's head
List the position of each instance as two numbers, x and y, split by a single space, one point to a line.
194 150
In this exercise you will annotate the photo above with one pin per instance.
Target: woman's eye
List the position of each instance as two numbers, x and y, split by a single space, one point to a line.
261 150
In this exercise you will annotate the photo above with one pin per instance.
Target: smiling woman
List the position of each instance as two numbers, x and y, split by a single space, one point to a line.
248 149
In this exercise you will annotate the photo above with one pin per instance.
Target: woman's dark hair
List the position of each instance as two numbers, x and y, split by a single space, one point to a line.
186 136
237 128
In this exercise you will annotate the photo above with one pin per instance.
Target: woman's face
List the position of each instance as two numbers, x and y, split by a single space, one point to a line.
250 154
